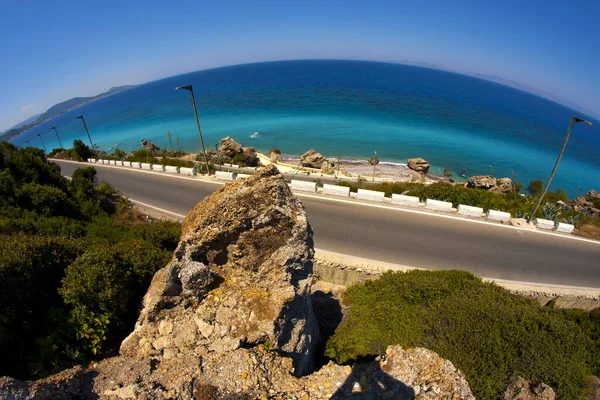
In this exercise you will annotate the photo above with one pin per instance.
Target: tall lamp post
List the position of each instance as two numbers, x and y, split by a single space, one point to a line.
28 144
574 120
40 136
191 90
58 137
86 130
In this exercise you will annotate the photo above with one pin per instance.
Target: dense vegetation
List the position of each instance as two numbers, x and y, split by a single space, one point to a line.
75 261
487 332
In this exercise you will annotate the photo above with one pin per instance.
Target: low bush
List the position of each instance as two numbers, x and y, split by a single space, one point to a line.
487 332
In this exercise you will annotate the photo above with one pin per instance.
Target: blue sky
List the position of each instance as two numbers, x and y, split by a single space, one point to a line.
55 50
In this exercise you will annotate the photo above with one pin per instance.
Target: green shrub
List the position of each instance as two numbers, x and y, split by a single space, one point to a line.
535 187
31 269
487 332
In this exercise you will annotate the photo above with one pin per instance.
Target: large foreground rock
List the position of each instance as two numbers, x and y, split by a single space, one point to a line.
240 276
418 164
482 182
251 374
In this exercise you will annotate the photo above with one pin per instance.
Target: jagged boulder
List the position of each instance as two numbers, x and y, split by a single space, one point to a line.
418 164
503 186
275 156
151 147
522 389
482 182
327 166
229 148
312 159
239 277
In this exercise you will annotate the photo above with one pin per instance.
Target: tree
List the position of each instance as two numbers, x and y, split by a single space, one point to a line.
535 187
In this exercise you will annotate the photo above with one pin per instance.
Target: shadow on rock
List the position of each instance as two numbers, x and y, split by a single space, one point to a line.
369 381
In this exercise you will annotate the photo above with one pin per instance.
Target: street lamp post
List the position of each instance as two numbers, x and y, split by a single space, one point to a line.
86 130
58 137
28 144
191 90
574 120
42 140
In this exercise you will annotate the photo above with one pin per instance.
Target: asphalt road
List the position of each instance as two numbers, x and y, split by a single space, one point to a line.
417 240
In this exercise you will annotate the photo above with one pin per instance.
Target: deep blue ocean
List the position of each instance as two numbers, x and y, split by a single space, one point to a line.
349 109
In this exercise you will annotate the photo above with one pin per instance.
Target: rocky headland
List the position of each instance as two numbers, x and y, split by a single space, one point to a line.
231 317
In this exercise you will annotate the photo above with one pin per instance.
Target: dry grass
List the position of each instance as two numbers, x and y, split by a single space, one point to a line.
590 231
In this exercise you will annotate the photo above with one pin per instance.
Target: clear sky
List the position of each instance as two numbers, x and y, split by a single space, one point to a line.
54 50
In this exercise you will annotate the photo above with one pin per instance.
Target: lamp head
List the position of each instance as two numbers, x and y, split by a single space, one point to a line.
577 119
78 117
187 87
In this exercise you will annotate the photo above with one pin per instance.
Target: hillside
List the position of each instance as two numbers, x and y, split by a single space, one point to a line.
58 109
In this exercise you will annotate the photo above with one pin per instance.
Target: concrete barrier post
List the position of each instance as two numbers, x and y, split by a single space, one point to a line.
334 190
187 171
242 176
304 186
224 176
403 200
158 167
544 224
145 166
495 215
564 228
171 169
370 195
438 205
470 211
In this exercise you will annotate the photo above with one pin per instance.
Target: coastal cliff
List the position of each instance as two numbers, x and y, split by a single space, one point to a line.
231 316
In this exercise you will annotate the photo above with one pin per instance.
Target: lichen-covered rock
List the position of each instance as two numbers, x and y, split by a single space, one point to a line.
327 166
239 276
522 389
229 147
418 164
275 156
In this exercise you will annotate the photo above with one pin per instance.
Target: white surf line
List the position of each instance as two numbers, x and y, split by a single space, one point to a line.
358 203
384 266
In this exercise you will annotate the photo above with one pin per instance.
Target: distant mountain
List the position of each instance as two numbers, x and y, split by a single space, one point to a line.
23 123
56 110
537 92
75 102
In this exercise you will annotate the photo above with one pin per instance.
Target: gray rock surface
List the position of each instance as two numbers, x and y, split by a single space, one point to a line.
418 164
250 156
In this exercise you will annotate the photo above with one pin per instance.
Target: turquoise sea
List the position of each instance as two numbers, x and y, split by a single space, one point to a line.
350 109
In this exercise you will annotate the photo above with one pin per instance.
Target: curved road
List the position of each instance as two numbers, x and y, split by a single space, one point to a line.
397 236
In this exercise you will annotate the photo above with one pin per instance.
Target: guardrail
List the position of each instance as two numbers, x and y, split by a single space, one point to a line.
304 186
334 190
362 194
370 195
438 205
404 200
